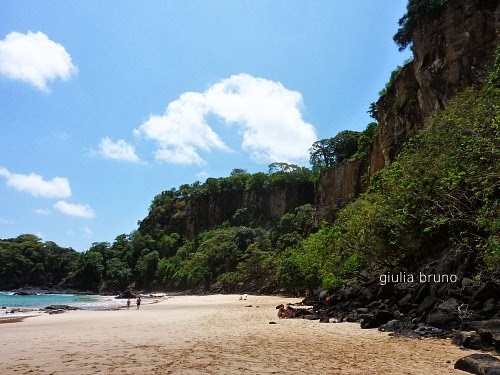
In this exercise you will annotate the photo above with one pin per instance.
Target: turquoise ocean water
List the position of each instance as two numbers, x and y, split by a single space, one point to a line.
87 302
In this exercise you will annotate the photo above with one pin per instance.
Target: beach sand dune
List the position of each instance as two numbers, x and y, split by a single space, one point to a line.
215 334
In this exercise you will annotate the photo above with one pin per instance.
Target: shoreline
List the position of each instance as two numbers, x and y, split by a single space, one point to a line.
9 314
212 334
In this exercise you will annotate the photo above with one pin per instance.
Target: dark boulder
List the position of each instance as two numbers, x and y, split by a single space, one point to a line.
393 325
426 305
480 364
487 291
449 306
385 291
381 317
489 330
443 320
469 340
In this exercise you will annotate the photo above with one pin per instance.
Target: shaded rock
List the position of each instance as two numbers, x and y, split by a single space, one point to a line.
421 293
489 330
311 316
488 290
324 319
385 291
443 320
380 317
481 364
450 305
424 330
470 340
426 305
392 326
490 307
466 282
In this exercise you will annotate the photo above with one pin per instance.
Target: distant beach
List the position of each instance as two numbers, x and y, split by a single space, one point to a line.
216 334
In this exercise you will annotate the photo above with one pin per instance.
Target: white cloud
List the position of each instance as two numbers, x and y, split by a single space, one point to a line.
266 114
79 210
182 131
35 184
119 150
6 221
35 59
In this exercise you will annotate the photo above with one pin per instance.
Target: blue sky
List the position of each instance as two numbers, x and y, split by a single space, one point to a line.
106 104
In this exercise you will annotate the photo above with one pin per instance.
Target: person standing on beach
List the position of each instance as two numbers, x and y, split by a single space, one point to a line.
128 304
138 302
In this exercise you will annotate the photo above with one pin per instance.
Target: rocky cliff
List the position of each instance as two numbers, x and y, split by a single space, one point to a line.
451 51
255 206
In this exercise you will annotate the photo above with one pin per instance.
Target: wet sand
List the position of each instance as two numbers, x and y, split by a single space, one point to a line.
214 334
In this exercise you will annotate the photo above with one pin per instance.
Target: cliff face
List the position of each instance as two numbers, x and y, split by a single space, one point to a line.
262 206
451 52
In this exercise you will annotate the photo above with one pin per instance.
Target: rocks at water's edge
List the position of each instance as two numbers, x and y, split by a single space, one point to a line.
59 309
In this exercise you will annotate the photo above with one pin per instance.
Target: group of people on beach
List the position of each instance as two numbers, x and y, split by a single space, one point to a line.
137 302
285 312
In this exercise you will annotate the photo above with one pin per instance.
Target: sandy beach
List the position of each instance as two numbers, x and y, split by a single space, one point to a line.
216 334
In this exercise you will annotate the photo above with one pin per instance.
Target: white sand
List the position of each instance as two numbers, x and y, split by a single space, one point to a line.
211 335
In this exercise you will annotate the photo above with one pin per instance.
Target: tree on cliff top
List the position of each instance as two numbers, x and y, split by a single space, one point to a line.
415 11
328 152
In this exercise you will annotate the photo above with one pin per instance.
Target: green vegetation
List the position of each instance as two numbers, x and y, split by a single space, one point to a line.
389 85
441 193
26 260
416 10
326 153
346 146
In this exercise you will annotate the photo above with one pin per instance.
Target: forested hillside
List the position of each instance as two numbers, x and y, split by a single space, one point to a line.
418 189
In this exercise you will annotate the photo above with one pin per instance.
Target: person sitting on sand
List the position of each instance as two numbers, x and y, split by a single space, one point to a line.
281 311
138 302
288 312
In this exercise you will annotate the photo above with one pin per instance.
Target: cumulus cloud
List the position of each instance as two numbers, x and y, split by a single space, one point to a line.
182 130
264 113
70 209
35 59
119 150
36 185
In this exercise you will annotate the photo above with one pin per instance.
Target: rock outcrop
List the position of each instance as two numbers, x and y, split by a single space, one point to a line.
261 206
